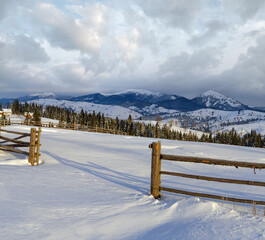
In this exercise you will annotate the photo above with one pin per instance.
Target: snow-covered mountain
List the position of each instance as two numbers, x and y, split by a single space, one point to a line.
108 110
215 100
131 97
45 95
141 99
209 111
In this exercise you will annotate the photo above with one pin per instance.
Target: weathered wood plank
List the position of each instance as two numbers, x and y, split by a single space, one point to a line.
213 161
15 145
11 149
205 195
14 132
13 140
235 181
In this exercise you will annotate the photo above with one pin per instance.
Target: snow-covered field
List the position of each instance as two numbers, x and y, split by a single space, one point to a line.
96 186
19 118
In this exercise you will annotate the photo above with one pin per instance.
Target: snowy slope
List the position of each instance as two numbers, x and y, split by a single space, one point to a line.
108 110
259 127
218 116
154 109
95 186
215 100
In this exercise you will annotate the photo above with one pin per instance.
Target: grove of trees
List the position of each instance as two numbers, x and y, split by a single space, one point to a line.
135 128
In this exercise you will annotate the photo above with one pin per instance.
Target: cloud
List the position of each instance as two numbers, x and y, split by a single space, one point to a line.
21 48
72 75
181 14
4 5
214 28
8 7
24 78
196 64
63 30
245 80
244 9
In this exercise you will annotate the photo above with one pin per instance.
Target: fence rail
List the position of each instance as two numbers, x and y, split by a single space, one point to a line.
70 126
156 173
9 144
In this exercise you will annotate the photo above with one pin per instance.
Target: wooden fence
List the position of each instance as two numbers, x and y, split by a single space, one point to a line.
156 173
11 144
70 126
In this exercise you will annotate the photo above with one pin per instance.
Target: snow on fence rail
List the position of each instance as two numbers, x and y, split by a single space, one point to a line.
156 173
70 126
33 145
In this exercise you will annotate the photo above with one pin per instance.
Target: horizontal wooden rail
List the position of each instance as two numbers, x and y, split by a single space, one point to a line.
12 149
196 194
70 126
213 161
14 132
14 141
235 181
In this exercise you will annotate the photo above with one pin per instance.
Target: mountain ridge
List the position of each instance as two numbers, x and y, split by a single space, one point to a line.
141 98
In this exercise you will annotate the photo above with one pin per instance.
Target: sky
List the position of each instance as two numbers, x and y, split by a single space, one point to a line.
182 47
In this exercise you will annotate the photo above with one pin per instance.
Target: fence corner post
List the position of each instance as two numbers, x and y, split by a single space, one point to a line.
155 169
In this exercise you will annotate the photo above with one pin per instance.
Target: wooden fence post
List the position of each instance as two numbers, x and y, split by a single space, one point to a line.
155 169
32 146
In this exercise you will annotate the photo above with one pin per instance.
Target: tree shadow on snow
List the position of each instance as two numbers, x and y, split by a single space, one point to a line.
123 179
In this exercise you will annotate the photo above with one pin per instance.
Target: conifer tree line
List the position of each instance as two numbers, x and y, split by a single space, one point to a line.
135 128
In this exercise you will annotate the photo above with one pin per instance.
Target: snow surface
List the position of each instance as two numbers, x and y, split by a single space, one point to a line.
45 94
173 124
242 129
227 116
96 186
108 110
136 91
213 98
154 109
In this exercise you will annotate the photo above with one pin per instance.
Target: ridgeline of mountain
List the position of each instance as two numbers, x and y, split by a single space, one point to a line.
139 99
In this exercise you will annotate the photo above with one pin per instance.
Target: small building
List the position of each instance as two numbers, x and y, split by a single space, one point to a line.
5 113
28 115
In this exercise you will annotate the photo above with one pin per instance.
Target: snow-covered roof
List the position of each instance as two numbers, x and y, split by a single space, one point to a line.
5 110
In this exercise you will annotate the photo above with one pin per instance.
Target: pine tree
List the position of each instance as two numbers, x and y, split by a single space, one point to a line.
36 117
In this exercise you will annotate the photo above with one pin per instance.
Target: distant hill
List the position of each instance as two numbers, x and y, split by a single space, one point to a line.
215 100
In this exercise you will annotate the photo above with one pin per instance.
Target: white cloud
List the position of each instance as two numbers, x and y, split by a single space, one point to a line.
214 28
181 13
68 32
244 9
21 48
